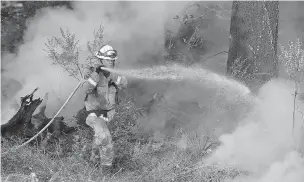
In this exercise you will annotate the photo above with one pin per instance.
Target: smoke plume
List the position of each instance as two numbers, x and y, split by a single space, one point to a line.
134 28
265 143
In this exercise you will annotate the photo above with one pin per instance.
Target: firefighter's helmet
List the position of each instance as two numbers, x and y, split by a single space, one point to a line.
106 52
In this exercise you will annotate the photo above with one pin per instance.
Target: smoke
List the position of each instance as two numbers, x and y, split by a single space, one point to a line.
134 28
195 106
291 22
264 143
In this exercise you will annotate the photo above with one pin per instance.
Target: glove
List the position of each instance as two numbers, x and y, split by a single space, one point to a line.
87 72
121 82
118 80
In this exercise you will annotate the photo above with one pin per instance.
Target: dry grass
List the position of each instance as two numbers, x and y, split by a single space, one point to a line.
140 161
138 156
149 162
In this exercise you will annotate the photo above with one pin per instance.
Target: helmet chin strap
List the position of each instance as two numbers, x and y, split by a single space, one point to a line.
101 61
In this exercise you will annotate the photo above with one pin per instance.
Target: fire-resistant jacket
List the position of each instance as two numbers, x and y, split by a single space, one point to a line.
103 95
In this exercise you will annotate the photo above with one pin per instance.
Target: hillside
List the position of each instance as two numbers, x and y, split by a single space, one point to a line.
181 117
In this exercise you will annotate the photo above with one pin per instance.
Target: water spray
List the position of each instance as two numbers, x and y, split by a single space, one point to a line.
178 73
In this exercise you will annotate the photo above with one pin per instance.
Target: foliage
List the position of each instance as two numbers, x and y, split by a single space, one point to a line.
94 45
65 52
138 157
292 58
149 161
216 10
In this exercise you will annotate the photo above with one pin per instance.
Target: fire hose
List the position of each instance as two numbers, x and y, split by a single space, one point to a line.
31 139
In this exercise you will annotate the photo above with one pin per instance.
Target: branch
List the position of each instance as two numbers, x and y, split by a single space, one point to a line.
294 106
79 71
301 114
71 74
28 96
214 55
65 52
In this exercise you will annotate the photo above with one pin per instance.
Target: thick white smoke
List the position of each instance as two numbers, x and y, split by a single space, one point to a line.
133 28
264 143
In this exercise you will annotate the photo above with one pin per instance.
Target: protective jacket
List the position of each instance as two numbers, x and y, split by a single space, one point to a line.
103 95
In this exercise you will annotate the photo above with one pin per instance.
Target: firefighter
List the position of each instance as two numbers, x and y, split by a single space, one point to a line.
101 89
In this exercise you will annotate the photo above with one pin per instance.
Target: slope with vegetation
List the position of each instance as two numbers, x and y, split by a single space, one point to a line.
139 156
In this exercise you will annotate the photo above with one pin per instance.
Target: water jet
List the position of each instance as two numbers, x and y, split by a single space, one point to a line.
178 73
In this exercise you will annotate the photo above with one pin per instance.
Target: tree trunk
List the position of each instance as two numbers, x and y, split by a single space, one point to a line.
25 124
253 38
18 124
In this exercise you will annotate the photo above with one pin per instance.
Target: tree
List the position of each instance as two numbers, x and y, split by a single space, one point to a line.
292 58
253 39
14 15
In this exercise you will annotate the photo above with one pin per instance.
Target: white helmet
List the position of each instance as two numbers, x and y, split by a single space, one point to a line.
106 52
